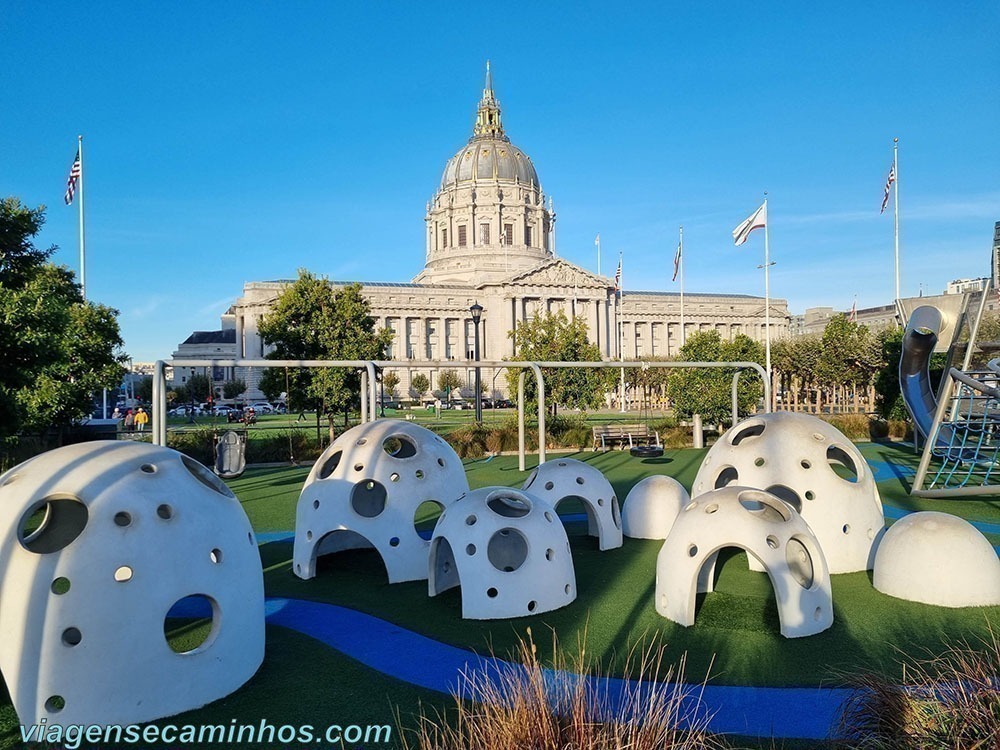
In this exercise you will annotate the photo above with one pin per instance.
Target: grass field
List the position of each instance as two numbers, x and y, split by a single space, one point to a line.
735 640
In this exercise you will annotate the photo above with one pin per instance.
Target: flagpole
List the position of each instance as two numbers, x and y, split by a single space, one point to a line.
895 167
683 334
621 331
767 297
598 243
83 252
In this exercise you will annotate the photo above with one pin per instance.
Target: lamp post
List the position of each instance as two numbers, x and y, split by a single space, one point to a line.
477 315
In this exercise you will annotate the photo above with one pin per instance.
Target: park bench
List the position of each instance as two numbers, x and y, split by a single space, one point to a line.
609 435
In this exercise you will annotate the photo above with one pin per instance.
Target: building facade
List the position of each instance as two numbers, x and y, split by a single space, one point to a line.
490 239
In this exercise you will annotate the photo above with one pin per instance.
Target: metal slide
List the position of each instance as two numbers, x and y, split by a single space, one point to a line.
919 340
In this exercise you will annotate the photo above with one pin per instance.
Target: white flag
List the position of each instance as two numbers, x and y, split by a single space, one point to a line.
757 220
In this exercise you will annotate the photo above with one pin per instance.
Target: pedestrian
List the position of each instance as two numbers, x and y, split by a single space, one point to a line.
129 421
116 414
141 419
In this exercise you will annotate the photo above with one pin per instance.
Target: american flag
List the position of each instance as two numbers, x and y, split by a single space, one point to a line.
74 174
853 317
677 261
618 276
888 184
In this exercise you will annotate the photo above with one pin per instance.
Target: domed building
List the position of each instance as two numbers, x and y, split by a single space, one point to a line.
490 238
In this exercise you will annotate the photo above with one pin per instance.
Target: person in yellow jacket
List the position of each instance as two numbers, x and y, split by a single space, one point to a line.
141 419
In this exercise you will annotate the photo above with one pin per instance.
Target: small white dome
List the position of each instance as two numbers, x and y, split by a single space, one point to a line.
365 490
566 479
651 507
937 558
507 550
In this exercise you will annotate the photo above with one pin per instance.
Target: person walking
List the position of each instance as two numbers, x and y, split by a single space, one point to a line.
141 419
129 421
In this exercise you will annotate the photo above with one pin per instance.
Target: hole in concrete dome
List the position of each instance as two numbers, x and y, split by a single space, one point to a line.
759 461
690 506
309 536
847 528
616 514
561 463
215 556
507 550
72 637
799 562
749 431
579 480
55 703
359 467
692 550
549 554
772 541
764 505
470 521
9 480
713 508
426 516
165 512
368 498
52 524
567 589
818 437
123 519
420 473
600 501
315 504
727 476
148 469
531 606
787 494
549 485
508 504
394 542
805 463
206 477
548 516
60 586
810 495
842 463
191 624
492 593
399 446
441 462
818 613
329 465
394 477
362 441
470 549
123 574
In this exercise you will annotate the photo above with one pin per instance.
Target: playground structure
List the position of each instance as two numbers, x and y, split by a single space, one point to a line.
99 542
365 491
960 422
507 550
565 479
771 532
940 559
651 507
793 456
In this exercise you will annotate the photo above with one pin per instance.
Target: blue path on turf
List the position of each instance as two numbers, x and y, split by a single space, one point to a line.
808 713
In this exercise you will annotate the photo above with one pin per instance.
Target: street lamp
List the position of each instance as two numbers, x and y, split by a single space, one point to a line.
477 315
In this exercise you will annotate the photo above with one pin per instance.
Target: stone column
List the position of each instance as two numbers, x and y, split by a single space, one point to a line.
511 305
442 338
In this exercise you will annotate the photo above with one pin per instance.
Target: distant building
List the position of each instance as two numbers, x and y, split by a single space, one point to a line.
960 286
490 238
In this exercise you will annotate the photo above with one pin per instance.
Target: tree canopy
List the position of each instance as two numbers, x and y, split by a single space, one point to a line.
554 338
313 320
56 349
708 392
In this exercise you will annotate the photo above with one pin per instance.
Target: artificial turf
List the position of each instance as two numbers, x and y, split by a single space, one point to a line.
735 639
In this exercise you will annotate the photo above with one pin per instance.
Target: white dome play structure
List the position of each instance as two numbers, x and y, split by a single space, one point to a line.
508 551
793 457
365 491
937 558
566 478
770 531
651 507
98 542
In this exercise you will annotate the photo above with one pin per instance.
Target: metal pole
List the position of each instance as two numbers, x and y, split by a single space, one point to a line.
736 399
155 417
520 420
895 167
364 396
83 244
683 334
541 411
479 386
767 297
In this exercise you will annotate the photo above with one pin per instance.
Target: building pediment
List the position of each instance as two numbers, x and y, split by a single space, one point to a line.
558 273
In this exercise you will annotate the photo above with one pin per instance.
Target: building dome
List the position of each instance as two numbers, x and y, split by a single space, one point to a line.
488 220
489 159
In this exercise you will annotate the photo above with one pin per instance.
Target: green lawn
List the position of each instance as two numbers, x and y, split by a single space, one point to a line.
735 638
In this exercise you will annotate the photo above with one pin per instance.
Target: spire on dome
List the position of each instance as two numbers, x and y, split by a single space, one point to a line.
488 123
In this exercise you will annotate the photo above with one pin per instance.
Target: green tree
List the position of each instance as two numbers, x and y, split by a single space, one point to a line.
56 349
198 388
709 391
554 338
312 320
390 381
420 384
448 383
233 388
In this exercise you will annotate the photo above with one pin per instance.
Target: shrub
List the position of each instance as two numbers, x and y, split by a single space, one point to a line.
948 701
529 706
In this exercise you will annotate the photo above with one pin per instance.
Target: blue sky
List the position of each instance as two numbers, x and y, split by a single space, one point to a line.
233 142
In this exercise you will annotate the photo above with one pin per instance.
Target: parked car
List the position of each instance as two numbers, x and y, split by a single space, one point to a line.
504 403
222 410
262 407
